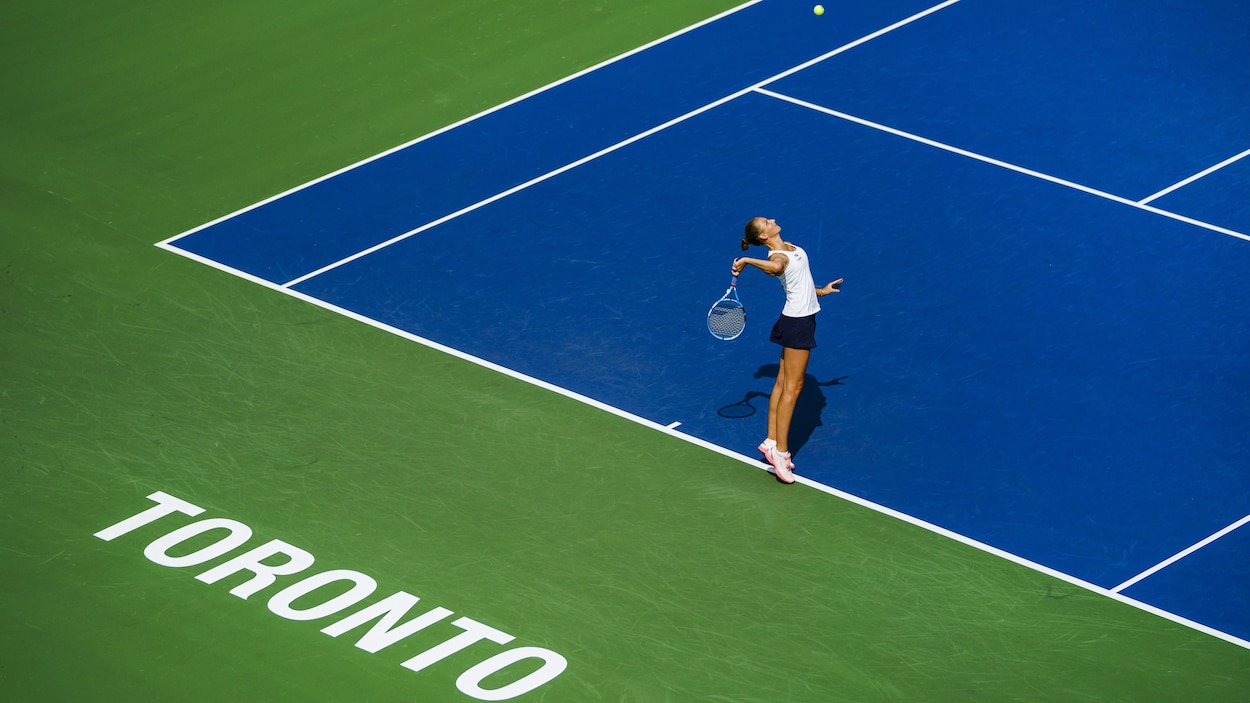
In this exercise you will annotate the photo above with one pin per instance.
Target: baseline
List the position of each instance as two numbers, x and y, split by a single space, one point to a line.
749 461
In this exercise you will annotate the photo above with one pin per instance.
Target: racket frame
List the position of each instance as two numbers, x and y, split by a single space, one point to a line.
731 295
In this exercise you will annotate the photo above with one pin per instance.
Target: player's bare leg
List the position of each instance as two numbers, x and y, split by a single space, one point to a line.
781 402
786 394
775 397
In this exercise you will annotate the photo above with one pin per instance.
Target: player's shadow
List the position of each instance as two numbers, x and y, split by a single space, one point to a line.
807 411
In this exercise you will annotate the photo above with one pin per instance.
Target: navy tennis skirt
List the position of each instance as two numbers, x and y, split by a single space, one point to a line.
795 332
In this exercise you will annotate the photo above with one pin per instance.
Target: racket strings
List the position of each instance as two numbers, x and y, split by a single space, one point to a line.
727 318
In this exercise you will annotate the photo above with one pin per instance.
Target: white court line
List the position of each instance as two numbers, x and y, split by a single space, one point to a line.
1196 176
863 502
168 246
1181 555
1002 164
464 121
619 145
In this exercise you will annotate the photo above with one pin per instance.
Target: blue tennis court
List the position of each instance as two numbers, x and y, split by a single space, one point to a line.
1042 215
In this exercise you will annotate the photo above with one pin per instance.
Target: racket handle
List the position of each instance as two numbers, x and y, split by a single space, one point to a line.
733 283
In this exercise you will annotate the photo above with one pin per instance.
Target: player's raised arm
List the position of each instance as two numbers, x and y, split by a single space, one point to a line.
773 265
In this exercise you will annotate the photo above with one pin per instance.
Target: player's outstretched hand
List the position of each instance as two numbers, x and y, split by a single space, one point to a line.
832 287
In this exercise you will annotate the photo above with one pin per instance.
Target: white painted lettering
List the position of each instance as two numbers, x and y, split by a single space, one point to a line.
470 682
166 505
384 633
265 574
474 632
158 550
281 602
385 618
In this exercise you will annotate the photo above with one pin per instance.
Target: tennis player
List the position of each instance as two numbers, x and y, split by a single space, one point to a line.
795 331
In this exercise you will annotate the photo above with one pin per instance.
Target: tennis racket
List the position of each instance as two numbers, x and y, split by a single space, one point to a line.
728 317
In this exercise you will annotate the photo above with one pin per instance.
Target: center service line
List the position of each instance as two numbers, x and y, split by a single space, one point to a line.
1196 176
619 145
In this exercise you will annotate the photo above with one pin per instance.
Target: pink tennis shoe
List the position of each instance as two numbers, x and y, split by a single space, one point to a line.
782 466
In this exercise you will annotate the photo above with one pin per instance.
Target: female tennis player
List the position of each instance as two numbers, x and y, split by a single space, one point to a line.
795 331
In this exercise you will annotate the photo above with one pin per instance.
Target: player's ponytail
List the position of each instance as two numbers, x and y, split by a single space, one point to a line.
752 233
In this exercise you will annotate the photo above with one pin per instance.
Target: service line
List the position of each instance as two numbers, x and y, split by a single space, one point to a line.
1003 164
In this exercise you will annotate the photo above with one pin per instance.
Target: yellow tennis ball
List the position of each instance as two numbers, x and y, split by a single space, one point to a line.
819 10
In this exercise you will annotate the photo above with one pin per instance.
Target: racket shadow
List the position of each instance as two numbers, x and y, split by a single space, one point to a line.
807 411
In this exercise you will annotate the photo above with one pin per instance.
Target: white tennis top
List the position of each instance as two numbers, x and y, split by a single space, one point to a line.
798 283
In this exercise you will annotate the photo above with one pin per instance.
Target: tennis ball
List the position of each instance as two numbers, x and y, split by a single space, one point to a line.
819 10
